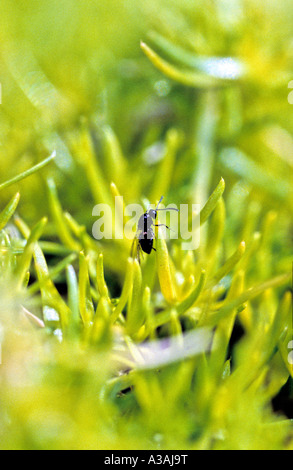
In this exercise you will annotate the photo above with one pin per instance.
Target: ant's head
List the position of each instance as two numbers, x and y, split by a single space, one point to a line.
152 213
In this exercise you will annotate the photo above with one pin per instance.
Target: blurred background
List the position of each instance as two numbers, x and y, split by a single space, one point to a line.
66 63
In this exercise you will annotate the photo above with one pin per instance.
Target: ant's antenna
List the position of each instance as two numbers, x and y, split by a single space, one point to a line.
167 208
159 203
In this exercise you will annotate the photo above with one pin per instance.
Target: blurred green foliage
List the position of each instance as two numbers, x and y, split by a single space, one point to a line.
187 99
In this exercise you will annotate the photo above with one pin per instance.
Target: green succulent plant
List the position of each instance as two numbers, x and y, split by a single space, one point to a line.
188 349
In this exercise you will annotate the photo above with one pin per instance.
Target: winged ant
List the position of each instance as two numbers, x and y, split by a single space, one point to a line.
145 235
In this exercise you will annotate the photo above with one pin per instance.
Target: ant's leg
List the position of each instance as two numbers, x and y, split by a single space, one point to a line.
139 253
154 248
163 225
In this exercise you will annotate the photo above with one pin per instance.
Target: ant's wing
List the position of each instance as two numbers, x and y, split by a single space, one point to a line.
139 253
136 250
133 247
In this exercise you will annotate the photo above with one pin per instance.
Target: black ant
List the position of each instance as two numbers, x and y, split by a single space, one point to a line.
145 235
